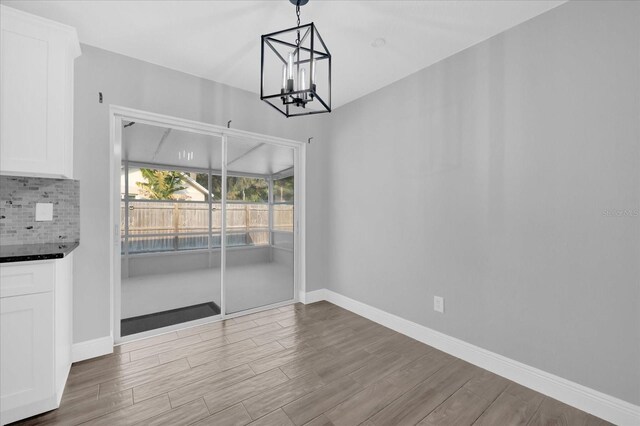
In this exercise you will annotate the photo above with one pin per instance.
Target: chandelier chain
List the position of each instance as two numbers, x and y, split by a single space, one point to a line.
298 16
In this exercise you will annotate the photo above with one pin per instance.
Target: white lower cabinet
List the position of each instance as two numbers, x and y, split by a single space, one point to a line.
27 353
35 337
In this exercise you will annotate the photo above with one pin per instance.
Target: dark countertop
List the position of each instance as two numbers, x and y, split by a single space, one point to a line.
30 252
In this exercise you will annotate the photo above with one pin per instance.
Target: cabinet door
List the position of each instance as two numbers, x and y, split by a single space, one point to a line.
20 278
35 97
26 362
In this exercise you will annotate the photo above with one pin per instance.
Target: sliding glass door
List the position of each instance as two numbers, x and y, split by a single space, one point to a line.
206 227
171 225
259 224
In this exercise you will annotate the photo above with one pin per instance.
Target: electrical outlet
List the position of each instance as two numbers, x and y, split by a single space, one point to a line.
438 304
44 212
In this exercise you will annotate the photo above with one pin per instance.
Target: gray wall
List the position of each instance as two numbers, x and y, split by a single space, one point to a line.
132 83
489 179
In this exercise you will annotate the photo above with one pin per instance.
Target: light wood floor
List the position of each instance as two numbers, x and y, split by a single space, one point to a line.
312 364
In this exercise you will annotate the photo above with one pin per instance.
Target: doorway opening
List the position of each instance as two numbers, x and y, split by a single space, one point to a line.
208 223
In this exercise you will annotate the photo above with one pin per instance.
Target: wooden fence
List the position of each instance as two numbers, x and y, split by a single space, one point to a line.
247 224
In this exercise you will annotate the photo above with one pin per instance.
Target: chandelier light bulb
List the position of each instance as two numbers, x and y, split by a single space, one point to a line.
290 66
284 77
303 83
303 79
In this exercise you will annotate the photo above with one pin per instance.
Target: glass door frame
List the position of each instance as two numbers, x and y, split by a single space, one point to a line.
119 114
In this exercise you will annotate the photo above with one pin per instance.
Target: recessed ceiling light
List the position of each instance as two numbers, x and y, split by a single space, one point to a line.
379 42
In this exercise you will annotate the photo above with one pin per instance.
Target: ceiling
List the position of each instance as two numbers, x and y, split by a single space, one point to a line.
144 143
220 40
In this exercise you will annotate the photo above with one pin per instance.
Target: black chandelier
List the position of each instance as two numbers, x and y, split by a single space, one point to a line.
295 69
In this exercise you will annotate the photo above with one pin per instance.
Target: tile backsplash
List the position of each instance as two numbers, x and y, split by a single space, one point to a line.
18 198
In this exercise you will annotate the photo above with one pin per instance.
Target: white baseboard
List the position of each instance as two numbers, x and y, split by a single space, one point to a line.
586 399
314 296
91 348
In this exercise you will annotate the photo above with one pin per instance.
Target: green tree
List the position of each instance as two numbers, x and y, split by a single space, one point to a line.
161 184
216 187
241 188
283 190
247 189
203 179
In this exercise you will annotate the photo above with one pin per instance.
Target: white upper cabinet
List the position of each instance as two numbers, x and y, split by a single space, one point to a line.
36 95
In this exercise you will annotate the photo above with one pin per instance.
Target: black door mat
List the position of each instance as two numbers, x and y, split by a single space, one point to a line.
165 318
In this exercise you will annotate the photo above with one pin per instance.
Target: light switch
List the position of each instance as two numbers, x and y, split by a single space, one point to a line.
44 212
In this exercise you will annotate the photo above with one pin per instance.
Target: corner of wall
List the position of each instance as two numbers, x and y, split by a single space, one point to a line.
91 348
